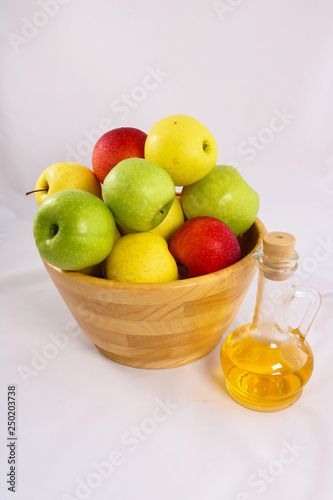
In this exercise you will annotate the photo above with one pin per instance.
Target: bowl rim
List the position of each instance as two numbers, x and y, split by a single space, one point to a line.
122 285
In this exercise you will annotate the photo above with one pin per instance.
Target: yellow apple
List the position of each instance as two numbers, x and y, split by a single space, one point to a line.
141 258
168 226
184 147
171 223
66 175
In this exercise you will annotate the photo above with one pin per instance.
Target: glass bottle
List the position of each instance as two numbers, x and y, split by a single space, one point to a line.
267 363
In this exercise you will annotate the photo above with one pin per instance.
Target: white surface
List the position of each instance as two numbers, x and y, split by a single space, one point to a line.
234 68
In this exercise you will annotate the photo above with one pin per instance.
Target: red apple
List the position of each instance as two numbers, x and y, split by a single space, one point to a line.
117 145
204 245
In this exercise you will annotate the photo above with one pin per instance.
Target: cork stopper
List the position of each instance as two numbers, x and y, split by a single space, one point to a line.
279 246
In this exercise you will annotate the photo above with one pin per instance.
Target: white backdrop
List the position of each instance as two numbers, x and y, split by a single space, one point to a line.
259 75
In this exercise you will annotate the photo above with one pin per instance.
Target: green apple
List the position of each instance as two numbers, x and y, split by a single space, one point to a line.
223 194
65 175
141 258
184 147
138 193
99 269
168 226
74 230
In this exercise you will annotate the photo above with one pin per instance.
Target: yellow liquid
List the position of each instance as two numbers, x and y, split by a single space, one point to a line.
265 376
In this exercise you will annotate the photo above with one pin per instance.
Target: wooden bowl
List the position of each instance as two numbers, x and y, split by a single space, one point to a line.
159 325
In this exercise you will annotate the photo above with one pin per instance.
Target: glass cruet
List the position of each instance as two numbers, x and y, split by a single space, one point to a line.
267 363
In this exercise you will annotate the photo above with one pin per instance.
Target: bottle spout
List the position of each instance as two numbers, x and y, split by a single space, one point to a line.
276 256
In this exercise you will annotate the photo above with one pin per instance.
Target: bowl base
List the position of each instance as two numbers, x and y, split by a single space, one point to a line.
156 364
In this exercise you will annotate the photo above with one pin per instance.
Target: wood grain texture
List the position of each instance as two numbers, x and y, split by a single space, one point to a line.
160 325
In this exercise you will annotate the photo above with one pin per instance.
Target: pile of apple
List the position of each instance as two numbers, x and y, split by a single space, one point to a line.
121 220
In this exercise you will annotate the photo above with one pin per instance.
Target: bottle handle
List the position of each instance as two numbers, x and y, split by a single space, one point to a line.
300 291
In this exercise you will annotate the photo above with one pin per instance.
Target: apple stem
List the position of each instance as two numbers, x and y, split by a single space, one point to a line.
36 191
